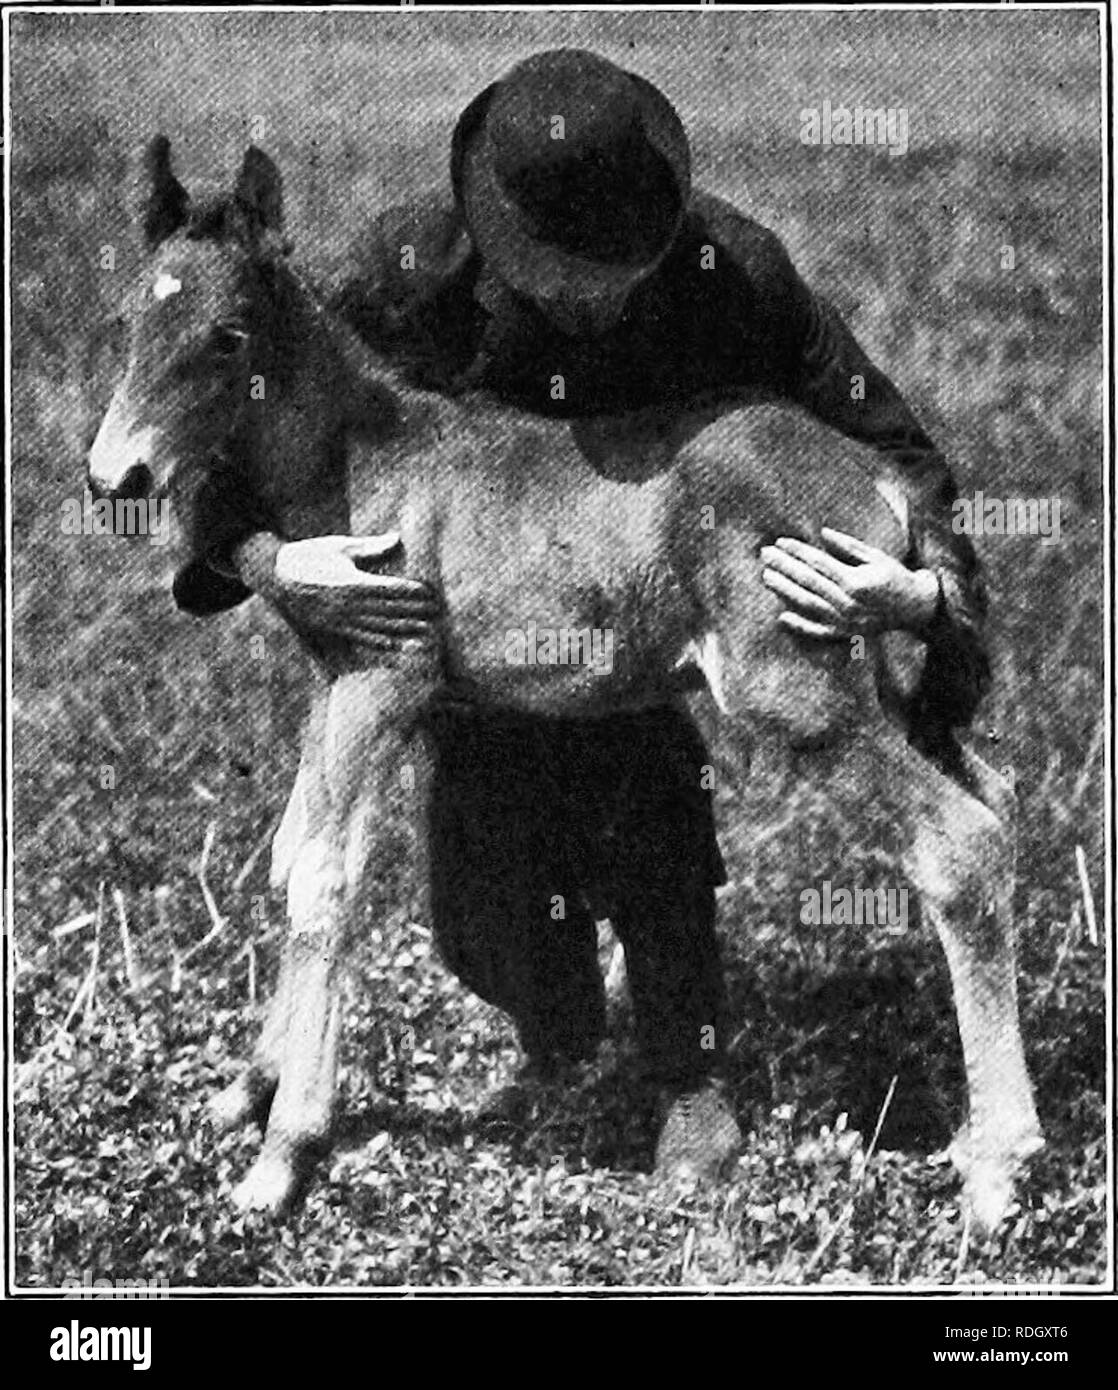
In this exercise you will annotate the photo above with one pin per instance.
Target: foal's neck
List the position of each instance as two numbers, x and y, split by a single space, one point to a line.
332 395
312 395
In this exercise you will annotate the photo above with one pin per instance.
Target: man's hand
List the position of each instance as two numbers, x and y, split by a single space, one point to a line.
849 588
318 586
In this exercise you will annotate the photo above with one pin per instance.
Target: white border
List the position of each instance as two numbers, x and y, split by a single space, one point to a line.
956 1294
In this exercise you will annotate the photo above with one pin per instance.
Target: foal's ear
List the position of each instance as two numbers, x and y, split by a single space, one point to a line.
259 191
165 208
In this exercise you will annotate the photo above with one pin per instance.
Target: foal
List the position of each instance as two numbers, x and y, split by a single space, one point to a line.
649 530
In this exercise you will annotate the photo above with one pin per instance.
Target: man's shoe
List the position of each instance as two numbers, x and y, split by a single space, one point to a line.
511 1105
699 1137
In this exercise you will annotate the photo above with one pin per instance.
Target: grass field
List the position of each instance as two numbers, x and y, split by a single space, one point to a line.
114 1173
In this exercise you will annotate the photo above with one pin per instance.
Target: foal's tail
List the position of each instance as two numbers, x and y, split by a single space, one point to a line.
937 740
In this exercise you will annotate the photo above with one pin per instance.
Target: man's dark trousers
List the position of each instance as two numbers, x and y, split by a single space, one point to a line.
537 826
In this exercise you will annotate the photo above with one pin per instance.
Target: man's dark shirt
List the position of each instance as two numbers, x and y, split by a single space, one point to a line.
724 310
686 331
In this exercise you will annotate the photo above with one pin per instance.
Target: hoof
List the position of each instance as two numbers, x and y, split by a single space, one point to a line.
990 1181
247 1098
269 1186
989 1192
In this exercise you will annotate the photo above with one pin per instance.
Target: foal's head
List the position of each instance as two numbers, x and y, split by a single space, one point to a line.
201 318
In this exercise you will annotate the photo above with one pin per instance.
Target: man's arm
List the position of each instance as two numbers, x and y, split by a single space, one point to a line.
404 286
818 363
320 588
829 379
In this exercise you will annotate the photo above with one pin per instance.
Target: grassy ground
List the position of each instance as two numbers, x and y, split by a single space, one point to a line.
110 685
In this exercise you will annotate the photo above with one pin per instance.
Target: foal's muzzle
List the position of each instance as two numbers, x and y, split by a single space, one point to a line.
135 486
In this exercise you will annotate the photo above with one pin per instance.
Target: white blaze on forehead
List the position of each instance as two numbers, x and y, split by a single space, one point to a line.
165 286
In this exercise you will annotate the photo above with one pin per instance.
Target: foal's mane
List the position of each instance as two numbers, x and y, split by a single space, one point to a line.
385 400
387 403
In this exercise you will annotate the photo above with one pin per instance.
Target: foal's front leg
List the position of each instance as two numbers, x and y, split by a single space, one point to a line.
249 1096
353 783
309 1001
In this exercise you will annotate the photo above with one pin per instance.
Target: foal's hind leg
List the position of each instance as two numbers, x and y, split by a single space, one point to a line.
960 857
958 852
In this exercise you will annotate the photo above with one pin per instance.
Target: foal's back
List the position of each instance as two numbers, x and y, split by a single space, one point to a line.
640 528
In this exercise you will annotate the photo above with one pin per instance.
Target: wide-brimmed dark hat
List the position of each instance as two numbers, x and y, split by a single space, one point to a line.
592 201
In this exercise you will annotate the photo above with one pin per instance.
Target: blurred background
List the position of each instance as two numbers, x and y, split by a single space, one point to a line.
198 726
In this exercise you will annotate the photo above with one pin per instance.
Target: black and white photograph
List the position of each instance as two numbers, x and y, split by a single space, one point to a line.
559 675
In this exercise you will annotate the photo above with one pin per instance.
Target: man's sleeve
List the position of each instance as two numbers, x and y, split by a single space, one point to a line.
226 514
198 589
821 366
835 379
388 284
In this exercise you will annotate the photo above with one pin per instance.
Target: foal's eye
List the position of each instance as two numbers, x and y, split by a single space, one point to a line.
227 339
